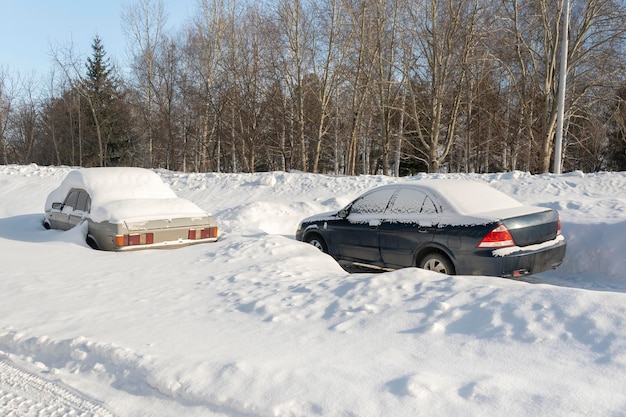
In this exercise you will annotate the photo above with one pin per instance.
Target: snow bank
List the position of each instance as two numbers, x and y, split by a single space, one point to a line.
258 324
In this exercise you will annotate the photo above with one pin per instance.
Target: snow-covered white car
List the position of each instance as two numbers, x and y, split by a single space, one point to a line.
449 226
126 208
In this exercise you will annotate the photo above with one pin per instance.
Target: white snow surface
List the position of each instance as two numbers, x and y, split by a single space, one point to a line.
258 324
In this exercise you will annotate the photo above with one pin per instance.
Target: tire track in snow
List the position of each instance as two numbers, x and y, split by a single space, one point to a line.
24 394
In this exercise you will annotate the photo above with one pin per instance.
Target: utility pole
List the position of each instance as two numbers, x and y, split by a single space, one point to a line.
558 140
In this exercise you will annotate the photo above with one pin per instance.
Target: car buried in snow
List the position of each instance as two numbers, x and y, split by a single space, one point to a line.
448 226
126 209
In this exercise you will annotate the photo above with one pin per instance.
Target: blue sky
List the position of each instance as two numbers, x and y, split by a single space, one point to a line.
29 29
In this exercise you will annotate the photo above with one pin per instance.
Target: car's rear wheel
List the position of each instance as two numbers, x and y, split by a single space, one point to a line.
438 262
318 242
92 243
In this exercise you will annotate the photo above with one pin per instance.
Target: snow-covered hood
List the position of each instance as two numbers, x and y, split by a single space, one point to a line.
329 215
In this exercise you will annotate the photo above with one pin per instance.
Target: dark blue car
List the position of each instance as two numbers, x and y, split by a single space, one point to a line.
449 226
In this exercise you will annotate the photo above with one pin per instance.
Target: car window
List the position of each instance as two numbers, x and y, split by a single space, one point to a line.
71 200
375 202
408 201
84 202
429 207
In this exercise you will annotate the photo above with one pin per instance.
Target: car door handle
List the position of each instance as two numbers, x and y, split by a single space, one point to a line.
374 223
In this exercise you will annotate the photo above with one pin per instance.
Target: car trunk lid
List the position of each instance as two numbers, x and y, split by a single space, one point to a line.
530 229
173 223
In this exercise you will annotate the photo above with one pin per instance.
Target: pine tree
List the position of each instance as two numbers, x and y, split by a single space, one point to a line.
110 126
99 71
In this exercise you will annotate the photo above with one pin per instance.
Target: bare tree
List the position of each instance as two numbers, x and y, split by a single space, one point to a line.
26 122
330 47
247 85
143 24
596 33
8 93
50 120
446 33
168 96
385 74
360 65
617 136
211 28
294 39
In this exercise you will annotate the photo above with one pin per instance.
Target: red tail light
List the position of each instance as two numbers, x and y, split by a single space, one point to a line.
499 237
558 229
206 233
135 239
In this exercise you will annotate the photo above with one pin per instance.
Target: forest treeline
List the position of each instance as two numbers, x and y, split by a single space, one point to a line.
350 87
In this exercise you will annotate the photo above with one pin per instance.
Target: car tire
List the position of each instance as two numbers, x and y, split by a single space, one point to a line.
92 243
438 262
318 242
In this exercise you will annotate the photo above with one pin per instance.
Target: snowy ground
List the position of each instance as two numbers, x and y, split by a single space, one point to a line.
258 324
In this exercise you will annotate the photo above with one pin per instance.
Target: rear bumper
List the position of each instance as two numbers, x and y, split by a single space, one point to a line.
165 245
514 262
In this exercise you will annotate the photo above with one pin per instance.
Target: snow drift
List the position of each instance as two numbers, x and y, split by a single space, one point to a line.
258 324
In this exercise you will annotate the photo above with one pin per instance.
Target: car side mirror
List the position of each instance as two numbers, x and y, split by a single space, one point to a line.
343 213
57 206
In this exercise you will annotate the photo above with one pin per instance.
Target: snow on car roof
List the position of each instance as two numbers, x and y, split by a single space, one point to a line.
124 193
117 183
468 197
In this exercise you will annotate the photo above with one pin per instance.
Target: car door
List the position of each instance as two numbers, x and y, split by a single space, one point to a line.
357 239
73 210
411 221
81 208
